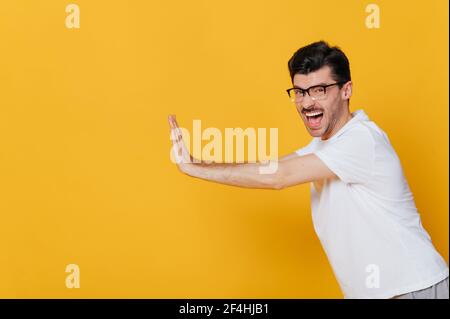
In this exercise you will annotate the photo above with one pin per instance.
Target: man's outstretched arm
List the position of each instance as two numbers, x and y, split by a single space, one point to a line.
290 170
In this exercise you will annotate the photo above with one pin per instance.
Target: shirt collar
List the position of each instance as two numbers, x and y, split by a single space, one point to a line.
358 116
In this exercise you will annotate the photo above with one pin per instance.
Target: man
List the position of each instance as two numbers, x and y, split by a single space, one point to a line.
363 210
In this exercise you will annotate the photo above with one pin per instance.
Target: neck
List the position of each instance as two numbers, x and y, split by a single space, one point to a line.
347 116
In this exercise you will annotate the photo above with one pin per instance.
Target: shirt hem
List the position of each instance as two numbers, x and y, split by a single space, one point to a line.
422 285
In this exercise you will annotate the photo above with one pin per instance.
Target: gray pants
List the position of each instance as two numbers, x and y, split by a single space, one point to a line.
437 291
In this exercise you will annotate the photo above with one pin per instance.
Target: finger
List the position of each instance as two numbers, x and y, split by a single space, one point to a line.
173 136
178 130
177 139
177 151
171 122
181 146
174 119
175 131
176 135
174 124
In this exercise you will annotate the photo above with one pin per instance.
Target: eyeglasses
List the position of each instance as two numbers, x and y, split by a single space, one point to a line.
316 92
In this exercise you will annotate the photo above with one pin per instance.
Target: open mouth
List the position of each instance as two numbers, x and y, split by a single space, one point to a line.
314 118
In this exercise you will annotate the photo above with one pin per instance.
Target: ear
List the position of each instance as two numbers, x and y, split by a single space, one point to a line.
347 90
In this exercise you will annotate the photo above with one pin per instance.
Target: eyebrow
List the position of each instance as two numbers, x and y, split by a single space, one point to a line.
321 83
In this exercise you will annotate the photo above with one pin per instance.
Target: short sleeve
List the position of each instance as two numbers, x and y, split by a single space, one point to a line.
351 156
306 149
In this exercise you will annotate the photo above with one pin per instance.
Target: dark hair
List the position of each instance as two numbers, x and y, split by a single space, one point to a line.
314 56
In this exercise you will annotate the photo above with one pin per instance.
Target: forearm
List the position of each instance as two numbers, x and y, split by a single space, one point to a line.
290 170
243 175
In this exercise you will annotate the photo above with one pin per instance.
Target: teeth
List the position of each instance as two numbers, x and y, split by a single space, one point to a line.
313 113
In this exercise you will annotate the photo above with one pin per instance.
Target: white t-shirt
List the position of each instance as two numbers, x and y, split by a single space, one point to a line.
366 219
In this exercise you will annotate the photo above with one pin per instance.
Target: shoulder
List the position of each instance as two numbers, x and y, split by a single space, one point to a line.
358 135
309 148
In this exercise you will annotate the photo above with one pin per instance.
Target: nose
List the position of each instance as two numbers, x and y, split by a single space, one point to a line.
307 102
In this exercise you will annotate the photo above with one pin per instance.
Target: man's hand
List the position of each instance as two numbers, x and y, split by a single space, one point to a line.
181 154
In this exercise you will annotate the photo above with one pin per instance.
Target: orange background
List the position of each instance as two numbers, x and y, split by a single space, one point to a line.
84 156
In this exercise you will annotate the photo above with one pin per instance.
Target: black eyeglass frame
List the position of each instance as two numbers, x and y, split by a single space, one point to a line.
302 91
